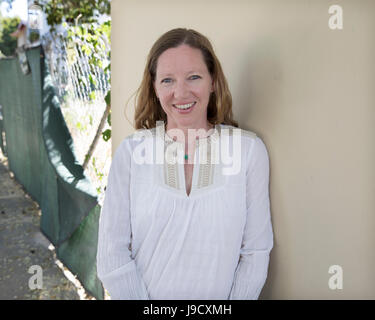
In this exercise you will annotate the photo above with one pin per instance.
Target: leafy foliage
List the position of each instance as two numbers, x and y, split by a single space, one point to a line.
92 38
87 11
88 32
8 44
34 36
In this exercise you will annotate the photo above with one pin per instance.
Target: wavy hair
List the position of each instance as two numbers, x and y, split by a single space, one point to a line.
147 107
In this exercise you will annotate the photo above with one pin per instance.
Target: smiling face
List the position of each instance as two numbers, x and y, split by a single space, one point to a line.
183 85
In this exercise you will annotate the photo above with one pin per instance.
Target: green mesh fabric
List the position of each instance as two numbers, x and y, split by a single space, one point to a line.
41 155
2 142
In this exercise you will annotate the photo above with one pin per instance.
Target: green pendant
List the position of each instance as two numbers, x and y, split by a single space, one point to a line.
186 156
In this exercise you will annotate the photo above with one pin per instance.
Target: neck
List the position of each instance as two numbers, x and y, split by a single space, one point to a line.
189 134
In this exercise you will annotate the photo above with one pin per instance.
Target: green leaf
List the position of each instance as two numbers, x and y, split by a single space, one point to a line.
106 134
92 80
107 98
86 49
109 119
107 68
92 95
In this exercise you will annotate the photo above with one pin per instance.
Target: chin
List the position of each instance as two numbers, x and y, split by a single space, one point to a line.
184 124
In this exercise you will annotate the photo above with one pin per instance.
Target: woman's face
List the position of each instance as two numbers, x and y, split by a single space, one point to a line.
183 85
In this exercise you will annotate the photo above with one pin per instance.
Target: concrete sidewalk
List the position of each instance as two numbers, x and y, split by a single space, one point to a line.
22 245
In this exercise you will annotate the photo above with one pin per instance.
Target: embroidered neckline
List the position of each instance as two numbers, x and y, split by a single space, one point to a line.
205 171
206 174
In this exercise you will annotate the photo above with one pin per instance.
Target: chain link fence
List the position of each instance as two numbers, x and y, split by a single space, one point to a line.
82 88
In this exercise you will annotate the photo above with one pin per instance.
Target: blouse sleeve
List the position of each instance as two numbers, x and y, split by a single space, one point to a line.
257 241
115 266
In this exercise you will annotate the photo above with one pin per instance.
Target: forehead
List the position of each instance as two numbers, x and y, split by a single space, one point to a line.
182 59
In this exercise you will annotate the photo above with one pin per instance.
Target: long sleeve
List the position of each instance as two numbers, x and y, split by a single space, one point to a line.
115 266
257 241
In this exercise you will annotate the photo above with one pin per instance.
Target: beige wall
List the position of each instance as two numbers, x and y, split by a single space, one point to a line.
308 92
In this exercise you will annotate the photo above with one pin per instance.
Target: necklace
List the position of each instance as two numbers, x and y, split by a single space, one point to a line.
186 155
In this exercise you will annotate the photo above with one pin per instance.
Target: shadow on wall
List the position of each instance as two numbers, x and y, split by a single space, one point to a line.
258 96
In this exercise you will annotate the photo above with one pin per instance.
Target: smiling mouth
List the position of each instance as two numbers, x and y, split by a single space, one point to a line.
184 106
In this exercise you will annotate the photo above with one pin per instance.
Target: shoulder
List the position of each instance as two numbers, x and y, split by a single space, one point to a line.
247 137
254 146
137 137
231 130
134 145
141 134
258 155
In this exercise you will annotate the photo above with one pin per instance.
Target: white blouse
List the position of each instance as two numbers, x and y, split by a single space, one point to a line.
157 242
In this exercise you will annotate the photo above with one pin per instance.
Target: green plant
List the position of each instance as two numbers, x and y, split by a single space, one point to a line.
8 44
34 36
87 11
86 40
94 40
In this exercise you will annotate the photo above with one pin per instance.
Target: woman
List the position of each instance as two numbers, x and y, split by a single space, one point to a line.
192 228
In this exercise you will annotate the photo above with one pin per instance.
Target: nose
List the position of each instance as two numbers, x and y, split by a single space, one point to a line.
181 90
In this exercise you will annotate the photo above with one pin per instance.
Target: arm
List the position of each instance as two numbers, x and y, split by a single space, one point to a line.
257 241
116 268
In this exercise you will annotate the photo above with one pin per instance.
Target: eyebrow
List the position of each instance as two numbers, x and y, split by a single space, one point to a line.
170 74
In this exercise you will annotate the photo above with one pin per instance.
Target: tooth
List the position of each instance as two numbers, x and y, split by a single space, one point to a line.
185 106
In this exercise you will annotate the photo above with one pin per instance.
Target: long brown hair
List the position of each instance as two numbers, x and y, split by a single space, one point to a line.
147 107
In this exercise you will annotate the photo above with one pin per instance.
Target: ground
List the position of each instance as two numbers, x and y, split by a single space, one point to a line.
22 245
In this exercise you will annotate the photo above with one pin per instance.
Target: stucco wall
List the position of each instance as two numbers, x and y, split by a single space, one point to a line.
308 92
